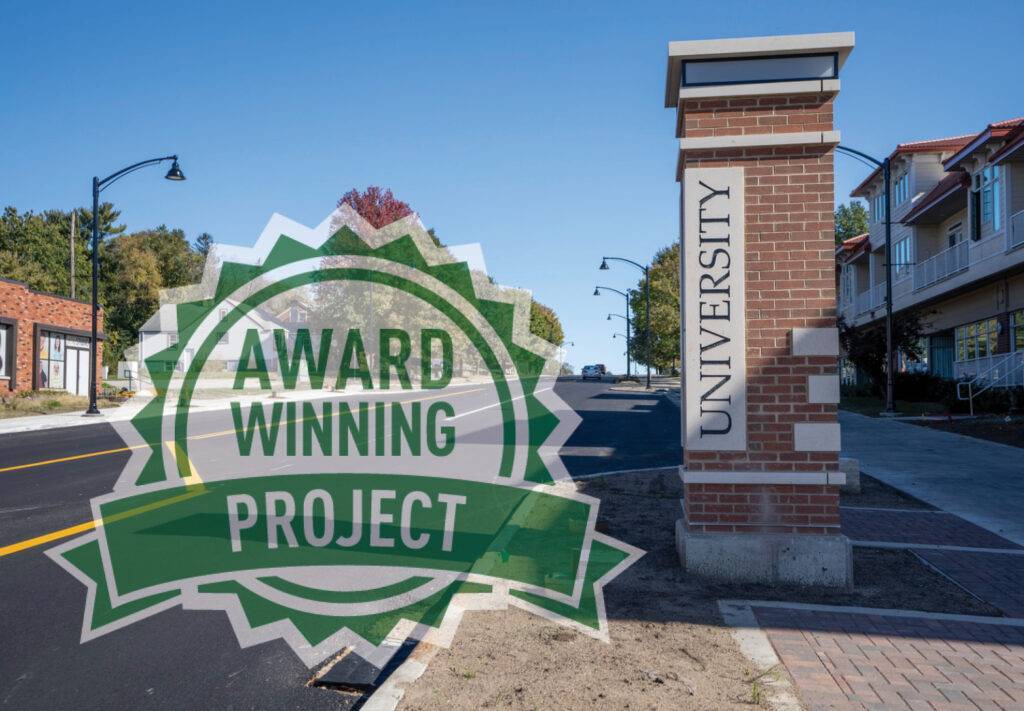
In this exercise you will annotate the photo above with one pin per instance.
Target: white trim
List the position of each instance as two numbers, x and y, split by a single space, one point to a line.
808 86
736 477
815 342
816 437
823 389
759 140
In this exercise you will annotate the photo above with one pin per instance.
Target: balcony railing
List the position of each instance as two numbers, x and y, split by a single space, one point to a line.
1017 230
871 299
942 265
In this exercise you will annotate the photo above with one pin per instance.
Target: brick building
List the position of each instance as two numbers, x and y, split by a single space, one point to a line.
44 341
754 119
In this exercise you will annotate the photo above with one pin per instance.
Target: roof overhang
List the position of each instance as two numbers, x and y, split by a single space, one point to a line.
940 206
781 46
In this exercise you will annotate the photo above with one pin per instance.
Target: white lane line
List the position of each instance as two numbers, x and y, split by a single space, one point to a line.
496 404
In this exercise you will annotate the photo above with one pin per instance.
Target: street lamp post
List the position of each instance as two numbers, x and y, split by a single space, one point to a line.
97 187
647 308
885 165
597 292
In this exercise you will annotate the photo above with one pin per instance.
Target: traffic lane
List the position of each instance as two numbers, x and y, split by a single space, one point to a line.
176 659
40 500
619 430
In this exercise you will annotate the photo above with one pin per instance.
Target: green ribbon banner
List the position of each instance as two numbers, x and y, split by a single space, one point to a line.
259 523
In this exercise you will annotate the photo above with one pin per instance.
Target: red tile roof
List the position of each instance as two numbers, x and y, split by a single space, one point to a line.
848 248
957 144
994 131
934 145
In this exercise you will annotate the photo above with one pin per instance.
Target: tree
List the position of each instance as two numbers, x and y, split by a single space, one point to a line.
203 244
544 323
376 205
851 220
865 346
664 312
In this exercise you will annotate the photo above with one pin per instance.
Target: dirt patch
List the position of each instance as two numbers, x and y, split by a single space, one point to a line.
994 429
670 648
878 494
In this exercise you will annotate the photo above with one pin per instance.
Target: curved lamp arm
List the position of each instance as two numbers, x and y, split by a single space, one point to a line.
113 177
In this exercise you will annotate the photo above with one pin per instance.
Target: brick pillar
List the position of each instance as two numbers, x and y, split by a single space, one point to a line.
760 347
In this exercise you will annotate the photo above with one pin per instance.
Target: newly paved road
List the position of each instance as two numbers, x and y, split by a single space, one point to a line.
180 659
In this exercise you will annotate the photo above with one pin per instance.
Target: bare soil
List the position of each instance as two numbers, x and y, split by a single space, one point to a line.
878 494
994 429
669 647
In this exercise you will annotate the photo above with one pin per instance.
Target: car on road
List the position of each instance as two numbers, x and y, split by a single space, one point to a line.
590 371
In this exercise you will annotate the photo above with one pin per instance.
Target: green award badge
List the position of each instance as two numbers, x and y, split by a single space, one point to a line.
353 439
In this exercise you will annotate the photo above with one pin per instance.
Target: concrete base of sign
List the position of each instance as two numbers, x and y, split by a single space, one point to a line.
851 468
796 559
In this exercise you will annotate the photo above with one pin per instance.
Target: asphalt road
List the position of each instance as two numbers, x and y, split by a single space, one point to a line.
191 659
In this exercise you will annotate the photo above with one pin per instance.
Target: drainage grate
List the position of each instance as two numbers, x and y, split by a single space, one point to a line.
353 673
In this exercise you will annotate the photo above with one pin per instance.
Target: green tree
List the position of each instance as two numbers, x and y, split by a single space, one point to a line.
544 323
851 220
130 292
664 312
865 346
203 244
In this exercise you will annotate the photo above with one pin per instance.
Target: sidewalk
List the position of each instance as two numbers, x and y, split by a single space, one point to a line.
978 480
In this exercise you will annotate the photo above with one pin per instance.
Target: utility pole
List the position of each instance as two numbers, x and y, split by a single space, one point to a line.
74 228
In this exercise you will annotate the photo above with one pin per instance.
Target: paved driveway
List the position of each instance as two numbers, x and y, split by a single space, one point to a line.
980 481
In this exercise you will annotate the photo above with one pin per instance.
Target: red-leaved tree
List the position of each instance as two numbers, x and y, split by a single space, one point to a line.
377 205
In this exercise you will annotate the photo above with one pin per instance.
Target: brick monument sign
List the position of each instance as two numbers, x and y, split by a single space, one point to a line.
759 340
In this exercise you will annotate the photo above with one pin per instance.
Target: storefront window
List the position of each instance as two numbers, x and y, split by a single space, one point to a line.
976 340
1017 330
51 360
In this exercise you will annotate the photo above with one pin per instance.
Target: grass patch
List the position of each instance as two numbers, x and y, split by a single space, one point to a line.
48 402
872 406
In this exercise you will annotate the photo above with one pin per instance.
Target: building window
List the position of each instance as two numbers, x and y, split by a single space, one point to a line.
51 360
301 316
172 339
1017 330
901 259
901 189
976 340
6 351
878 207
955 235
986 188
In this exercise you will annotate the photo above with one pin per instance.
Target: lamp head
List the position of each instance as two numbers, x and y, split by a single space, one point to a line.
604 265
597 292
175 172
609 317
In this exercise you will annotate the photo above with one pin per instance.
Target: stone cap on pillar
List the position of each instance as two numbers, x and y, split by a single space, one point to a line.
755 92
755 66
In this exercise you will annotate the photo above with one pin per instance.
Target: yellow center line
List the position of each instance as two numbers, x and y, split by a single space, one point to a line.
191 489
222 433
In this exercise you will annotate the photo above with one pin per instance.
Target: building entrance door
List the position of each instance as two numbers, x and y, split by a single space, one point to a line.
940 355
77 371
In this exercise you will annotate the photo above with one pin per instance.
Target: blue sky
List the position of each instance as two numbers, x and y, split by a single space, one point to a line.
537 129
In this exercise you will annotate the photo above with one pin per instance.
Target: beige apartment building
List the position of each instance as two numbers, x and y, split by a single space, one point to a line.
958 252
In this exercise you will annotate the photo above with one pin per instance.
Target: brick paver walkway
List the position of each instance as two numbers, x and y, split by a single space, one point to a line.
851 660
994 577
908 526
